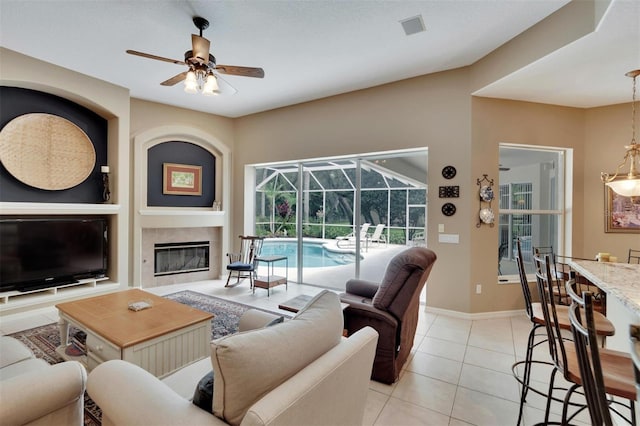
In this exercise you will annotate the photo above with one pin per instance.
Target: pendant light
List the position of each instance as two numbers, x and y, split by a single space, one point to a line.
629 185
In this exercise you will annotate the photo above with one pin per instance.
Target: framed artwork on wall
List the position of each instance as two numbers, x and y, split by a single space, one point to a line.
622 214
181 179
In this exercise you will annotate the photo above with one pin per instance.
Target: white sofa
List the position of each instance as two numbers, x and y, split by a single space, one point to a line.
32 392
300 372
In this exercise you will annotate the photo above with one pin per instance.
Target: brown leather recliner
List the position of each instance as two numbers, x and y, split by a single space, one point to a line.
391 308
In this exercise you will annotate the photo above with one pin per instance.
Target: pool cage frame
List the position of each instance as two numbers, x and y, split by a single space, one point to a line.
335 194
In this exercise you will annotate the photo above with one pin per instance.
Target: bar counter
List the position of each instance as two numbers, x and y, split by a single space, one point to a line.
621 283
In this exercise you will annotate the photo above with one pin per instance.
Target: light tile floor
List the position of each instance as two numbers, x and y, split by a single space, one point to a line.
459 372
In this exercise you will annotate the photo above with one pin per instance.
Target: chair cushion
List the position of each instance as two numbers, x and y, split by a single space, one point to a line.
12 351
248 365
22 367
239 266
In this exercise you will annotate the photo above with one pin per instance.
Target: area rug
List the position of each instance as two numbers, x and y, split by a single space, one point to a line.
226 313
44 340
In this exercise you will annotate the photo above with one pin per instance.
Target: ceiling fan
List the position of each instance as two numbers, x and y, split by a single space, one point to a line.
203 71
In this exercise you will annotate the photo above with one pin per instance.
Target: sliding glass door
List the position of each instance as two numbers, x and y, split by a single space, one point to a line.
337 219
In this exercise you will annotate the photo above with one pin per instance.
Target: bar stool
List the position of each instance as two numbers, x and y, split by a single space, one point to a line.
566 361
602 371
634 332
535 314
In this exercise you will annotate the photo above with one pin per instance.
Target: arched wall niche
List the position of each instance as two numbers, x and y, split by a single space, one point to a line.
57 91
165 218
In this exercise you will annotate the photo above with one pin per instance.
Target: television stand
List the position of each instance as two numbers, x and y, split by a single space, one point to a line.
57 292
46 285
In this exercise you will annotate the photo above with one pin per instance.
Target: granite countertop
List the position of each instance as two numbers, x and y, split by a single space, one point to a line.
619 280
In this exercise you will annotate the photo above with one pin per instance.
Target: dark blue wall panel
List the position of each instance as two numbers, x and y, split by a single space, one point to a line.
16 101
180 153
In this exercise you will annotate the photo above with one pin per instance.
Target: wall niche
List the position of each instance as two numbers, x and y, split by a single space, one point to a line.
186 153
15 102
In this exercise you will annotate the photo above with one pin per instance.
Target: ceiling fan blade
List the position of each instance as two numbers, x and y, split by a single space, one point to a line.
157 58
242 71
224 88
175 79
200 48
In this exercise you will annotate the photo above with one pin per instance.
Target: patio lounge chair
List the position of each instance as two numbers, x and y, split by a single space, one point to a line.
377 236
418 239
350 239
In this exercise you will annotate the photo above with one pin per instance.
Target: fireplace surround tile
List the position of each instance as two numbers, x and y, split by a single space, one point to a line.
152 236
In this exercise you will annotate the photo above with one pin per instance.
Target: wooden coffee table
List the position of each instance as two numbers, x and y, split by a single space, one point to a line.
160 339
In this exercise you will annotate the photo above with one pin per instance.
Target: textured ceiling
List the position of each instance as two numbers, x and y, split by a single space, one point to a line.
314 49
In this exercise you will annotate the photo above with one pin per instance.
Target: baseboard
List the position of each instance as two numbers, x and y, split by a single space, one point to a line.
477 316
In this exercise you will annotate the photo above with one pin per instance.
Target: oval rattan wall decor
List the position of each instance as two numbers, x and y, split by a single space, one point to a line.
46 151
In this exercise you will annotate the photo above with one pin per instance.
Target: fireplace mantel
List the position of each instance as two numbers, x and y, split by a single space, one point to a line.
180 218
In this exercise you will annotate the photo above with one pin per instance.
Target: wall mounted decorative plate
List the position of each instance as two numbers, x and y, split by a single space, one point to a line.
486 215
449 172
486 193
448 209
46 151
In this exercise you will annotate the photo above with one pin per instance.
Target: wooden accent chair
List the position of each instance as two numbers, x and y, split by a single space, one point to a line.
391 308
243 263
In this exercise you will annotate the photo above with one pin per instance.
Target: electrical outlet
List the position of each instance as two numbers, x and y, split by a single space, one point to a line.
478 288
441 227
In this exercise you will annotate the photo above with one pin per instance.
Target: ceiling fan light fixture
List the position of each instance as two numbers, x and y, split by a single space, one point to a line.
210 87
201 65
628 186
191 82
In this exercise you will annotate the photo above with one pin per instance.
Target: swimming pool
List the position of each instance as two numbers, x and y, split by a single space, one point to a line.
313 253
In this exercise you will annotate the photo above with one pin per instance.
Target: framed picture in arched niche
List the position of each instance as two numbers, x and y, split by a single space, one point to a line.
183 154
181 179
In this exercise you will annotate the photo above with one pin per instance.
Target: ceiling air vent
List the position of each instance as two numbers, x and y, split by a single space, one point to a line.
413 25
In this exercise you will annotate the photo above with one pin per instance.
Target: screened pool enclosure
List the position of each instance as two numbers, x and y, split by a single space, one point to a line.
329 197
330 200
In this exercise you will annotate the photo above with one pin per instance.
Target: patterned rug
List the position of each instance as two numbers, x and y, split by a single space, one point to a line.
44 340
226 313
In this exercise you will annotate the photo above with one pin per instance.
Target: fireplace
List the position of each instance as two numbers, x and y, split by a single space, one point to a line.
180 255
181 258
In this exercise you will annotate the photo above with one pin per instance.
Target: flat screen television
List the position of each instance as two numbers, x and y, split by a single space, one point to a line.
42 252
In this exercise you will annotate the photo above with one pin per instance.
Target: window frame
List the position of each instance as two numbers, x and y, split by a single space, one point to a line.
561 191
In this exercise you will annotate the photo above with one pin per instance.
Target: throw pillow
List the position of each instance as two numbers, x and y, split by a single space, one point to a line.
250 364
203 395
